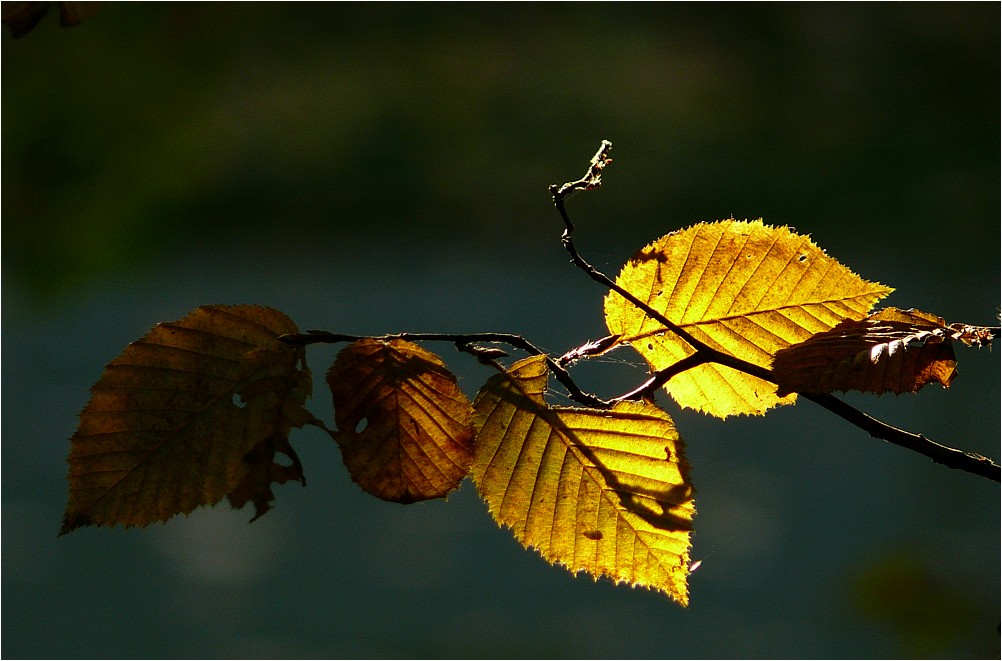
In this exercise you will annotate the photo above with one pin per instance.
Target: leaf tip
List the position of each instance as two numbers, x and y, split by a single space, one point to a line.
71 523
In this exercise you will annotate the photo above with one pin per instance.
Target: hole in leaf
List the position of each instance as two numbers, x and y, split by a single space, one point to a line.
283 460
238 401
362 424
802 259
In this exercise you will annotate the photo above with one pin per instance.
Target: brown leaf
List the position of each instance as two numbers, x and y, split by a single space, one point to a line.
977 336
262 471
194 411
892 350
402 422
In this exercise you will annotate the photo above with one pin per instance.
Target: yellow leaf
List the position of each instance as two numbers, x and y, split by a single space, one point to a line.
402 422
743 288
194 411
892 350
601 491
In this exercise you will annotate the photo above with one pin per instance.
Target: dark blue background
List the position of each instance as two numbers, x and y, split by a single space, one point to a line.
381 168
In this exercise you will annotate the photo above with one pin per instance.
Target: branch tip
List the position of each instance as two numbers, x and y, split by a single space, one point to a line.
592 178
703 353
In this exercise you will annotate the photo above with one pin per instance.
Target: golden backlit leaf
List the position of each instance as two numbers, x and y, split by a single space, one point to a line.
601 491
194 411
402 422
743 288
892 350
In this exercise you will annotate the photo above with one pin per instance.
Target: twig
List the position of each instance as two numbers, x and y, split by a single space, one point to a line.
589 349
590 181
941 454
465 342
950 457
661 377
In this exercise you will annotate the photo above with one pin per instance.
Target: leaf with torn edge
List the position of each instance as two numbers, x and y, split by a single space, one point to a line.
194 411
402 422
745 289
892 350
601 491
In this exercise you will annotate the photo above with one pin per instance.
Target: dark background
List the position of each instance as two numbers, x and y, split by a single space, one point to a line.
381 168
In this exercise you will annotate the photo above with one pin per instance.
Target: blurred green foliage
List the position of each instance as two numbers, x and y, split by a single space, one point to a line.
928 617
155 128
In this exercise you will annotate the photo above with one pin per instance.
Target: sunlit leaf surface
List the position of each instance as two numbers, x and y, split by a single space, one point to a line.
601 491
743 288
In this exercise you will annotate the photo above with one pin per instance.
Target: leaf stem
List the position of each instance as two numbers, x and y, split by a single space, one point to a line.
969 462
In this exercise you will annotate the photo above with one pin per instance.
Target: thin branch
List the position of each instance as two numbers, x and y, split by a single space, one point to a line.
590 349
466 343
326 337
647 389
591 180
950 457
941 454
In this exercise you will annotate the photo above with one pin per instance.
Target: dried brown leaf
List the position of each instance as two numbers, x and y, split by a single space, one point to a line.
402 422
892 350
194 411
